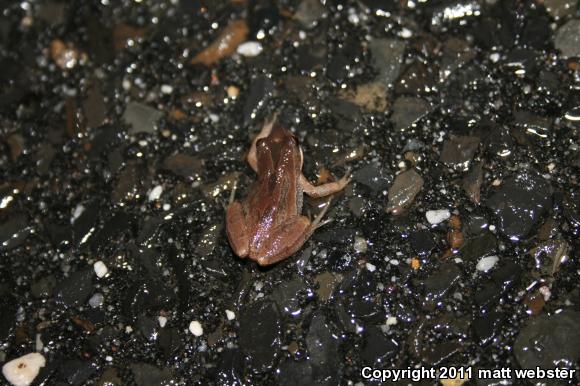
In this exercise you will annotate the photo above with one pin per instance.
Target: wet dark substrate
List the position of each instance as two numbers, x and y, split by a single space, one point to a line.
122 138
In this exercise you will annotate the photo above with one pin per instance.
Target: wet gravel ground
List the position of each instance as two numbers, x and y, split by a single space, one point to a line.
123 129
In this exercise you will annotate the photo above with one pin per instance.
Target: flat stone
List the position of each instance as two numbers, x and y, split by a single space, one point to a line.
141 118
387 58
323 349
309 12
260 333
458 151
407 111
519 203
440 282
567 39
560 8
403 191
75 290
549 341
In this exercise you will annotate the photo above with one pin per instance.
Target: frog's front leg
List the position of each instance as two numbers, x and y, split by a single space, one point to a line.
237 230
324 189
253 153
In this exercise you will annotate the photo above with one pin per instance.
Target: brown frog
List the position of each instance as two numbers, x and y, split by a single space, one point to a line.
267 226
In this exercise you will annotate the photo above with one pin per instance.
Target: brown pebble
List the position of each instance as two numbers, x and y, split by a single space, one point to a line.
535 303
455 222
225 44
293 348
455 238
447 254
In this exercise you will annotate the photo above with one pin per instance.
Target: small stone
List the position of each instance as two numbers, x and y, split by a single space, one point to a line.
162 321
96 300
486 263
519 203
233 92
146 374
422 242
439 283
309 12
183 165
250 49
360 244
225 44
371 176
549 341
535 303
371 267
166 89
487 326
260 334
546 292
75 290
387 58
326 282
141 118
403 191
455 238
195 328
231 315
459 151
437 216
407 111
391 320
323 348
100 269
471 183
371 96
22 371
155 193
567 39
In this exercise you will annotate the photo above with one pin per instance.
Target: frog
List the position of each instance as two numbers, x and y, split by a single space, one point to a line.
268 226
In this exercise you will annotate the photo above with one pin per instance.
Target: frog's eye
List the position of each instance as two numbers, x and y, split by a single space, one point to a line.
261 142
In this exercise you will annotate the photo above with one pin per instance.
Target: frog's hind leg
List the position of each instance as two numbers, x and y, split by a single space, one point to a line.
324 189
318 222
283 242
237 230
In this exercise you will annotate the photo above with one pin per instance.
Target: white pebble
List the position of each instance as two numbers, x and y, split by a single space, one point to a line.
100 269
230 315
437 216
195 328
406 33
79 209
166 89
391 321
162 321
39 345
371 267
96 300
360 244
250 49
545 291
22 371
155 193
486 263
